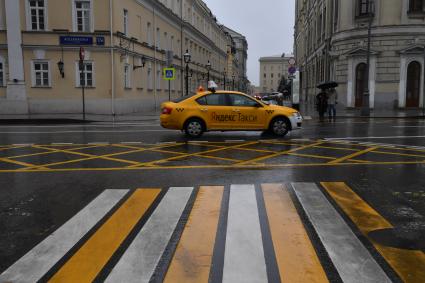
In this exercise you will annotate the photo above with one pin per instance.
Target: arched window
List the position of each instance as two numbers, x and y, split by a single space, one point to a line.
413 84
415 5
360 83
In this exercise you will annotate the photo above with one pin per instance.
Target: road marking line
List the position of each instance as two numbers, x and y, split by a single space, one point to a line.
193 257
244 254
131 142
350 258
89 260
61 143
135 266
23 144
279 153
368 138
53 150
152 163
351 156
295 255
232 141
409 264
32 266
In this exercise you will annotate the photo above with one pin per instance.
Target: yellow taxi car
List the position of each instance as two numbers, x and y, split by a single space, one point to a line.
227 111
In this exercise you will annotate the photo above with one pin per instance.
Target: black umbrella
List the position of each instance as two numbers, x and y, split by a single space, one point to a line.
327 85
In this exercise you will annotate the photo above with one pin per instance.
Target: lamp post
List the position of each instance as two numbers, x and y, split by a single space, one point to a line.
61 68
208 71
224 78
187 58
365 107
233 82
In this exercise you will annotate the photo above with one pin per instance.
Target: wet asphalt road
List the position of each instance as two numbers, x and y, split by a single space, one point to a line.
34 204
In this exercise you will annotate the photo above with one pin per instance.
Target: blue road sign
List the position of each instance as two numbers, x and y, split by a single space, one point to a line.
169 74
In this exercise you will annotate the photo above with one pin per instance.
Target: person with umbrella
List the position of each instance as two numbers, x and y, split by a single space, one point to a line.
322 103
332 101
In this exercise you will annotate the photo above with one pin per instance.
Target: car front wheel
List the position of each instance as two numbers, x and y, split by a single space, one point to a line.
194 128
280 126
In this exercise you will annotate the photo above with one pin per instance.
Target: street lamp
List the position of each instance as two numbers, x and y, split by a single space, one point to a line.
233 82
224 78
208 71
187 57
61 68
366 108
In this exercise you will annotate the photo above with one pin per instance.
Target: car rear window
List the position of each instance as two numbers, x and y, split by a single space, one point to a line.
214 99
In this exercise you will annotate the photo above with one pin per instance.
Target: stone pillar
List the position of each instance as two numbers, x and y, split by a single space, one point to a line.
16 101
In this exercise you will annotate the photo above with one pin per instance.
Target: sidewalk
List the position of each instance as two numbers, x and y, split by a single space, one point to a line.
77 118
342 112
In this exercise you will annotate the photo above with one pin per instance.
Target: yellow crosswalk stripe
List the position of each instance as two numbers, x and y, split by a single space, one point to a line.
409 264
193 256
295 255
89 260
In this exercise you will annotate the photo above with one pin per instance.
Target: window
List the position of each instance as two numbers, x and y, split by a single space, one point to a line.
149 78
215 99
415 6
363 8
158 78
41 74
127 76
1 73
272 75
158 38
83 15
166 41
36 19
265 75
241 100
86 77
125 22
149 33
172 43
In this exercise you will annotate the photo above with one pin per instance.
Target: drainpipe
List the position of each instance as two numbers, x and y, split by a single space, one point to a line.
154 59
112 60
181 47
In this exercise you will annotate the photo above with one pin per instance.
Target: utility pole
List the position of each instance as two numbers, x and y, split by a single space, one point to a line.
82 80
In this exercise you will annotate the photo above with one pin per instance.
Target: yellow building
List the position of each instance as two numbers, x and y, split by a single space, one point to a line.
125 46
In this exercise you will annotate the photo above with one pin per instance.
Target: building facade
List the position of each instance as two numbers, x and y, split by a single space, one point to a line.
331 38
272 69
126 46
239 54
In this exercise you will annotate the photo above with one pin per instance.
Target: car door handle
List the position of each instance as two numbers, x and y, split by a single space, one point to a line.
204 110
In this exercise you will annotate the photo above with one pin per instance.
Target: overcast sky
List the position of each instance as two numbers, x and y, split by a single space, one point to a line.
268 26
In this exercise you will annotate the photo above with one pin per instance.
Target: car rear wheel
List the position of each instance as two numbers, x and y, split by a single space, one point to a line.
280 126
194 128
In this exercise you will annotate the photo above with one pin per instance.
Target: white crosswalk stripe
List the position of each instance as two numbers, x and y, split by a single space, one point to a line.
244 254
32 266
141 258
352 260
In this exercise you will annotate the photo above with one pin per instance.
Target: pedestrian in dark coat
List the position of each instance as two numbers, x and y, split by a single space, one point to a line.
322 103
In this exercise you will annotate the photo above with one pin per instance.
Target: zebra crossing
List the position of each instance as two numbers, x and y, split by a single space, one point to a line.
236 233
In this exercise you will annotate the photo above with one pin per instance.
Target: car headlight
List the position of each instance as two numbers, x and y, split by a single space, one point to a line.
297 115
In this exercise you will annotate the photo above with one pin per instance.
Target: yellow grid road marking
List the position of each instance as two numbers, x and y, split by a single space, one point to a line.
279 153
52 151
27 165
193 256
356 154
152 163
89 260
409 264
399 154
290 238
247 166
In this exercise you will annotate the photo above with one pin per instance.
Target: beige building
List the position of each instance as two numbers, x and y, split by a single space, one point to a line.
125 44
272 69
331 44
239 58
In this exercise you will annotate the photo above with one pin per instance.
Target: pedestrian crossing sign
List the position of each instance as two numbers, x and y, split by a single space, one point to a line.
169 74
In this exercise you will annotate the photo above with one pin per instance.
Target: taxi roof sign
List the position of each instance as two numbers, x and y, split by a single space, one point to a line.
212 86
169 74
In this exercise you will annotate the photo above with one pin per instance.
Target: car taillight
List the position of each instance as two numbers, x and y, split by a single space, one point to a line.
167 110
